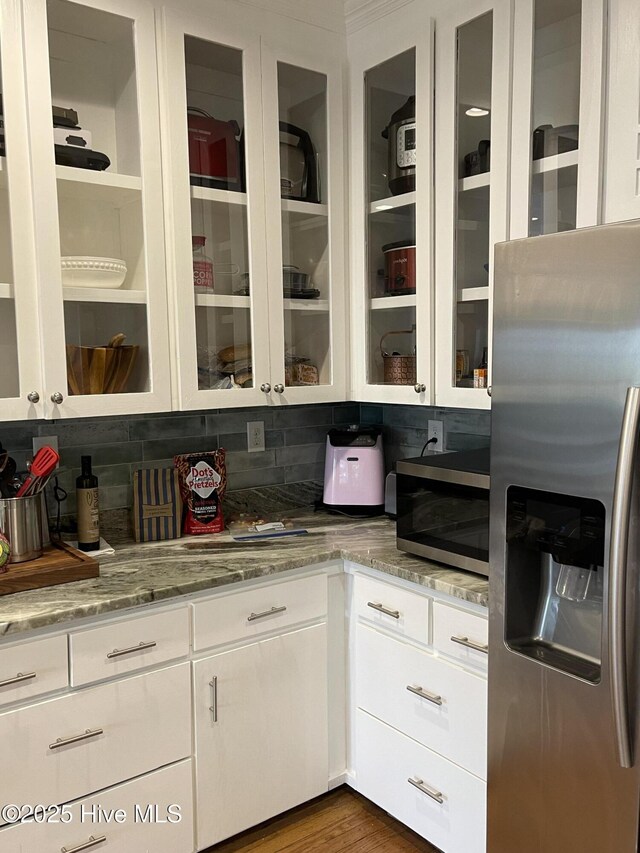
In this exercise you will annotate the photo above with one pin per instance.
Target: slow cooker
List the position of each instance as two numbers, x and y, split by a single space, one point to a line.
400 268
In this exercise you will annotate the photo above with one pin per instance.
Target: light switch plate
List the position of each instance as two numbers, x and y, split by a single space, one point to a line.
255 436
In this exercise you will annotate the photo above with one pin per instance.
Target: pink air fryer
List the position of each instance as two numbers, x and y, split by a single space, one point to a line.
354 470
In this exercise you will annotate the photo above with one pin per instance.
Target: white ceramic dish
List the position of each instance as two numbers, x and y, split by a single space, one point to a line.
81 271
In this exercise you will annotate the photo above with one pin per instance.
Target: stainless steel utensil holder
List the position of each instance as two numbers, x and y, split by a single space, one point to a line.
21 523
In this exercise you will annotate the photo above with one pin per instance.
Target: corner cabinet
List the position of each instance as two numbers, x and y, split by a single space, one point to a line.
391 204
473 50
264 322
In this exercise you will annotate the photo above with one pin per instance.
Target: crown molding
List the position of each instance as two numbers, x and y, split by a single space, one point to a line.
361 13
328 14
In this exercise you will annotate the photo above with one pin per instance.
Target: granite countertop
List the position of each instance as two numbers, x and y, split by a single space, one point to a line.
139 574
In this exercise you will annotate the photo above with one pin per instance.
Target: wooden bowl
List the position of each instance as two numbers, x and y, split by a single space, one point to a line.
99 370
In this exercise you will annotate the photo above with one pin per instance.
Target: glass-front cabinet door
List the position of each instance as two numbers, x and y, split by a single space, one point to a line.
557 115
472 70
304 145
21 393
215 211
93 102
391 157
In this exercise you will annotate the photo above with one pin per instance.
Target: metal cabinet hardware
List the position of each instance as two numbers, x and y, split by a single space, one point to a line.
379 607
57 397
470 644
489 388
419 388
86 735
253 616
26 676
265 387
430 792
33 397
213 684
92 842
424 694
279 388
117 653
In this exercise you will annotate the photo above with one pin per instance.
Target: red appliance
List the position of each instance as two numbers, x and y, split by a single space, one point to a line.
215 158
400 268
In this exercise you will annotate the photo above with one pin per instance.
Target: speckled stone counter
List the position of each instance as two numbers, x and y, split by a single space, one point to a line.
140 574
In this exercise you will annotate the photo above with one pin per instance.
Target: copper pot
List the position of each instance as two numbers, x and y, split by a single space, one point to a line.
400 268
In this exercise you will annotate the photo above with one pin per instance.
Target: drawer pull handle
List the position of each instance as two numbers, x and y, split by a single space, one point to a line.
424 694
117 653
430 792
214 708
17 679
253 616
470 644
92 842
394 613
88 733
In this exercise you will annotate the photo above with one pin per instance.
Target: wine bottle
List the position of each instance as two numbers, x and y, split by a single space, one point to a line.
88 508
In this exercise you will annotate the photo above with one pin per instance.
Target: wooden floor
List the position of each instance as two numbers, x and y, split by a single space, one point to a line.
339 822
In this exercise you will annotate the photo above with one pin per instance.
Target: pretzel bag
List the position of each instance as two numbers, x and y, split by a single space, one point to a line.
203 481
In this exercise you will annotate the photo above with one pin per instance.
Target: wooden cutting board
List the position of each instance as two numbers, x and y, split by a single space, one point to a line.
60 563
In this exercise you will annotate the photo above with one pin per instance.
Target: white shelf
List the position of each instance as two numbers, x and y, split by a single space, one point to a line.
474 182
383 303
306 304
393 202
291 205
6 291
473 294
555 162
222 196
104 294
219 300
89 184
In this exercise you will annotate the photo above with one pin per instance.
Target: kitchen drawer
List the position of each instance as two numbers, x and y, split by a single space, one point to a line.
246 614
385 762
391 607
33 668
127 645
467 628
452 722
166 787
115 731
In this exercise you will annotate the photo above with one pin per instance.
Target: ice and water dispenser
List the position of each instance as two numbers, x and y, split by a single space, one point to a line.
554 580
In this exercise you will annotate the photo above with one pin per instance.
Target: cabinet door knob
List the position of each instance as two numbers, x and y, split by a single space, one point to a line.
419 388
279 388
33 397
57 397
489 390
265 387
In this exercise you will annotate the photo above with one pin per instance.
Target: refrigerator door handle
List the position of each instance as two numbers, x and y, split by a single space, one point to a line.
620 518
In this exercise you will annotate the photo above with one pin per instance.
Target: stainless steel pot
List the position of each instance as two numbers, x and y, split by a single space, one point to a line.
401 136
21 523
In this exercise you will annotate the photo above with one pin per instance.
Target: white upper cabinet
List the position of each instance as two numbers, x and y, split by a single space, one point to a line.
21 392
304 150
622 176
556 155
473 49
98 205
391 202
215 214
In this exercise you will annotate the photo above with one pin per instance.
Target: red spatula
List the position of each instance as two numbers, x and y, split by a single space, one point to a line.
43 464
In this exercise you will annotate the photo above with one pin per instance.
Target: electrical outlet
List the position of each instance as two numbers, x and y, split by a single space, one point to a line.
435 429
255 436
44 441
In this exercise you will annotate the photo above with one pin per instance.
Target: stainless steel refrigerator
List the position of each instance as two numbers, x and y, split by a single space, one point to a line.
564 663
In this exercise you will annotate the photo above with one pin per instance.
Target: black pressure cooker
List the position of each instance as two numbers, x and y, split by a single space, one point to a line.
401 134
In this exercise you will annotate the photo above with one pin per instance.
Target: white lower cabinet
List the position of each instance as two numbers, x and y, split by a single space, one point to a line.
436 798
151 814
261 742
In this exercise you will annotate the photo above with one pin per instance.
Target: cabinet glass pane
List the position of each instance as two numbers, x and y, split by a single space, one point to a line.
92 64
220 246
555 116
391 231
302 115
9 375
472 234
